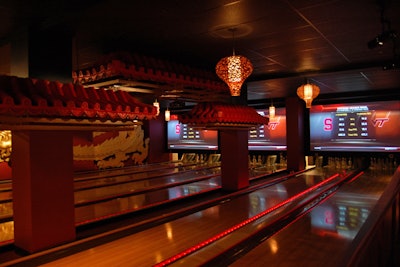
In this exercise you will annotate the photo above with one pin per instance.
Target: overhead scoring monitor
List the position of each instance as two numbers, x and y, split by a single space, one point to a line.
367 126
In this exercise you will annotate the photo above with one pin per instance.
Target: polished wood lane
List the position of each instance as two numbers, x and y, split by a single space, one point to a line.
138 184
123 204
135 175
167 186
323 236
153 245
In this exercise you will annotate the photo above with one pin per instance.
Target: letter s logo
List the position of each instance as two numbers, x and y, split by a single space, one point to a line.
328 124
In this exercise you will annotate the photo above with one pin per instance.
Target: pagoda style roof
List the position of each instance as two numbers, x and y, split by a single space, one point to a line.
162 78
222 115
27 101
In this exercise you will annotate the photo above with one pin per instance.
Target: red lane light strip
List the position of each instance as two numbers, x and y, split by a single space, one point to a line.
355 177
240 225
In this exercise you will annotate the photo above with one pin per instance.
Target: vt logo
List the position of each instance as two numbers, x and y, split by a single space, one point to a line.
273 124
379 122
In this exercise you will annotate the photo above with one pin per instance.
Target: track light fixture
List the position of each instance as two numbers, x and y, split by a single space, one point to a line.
380 39
387 32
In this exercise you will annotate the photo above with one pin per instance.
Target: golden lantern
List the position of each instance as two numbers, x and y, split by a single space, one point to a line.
308 92
167 115
271 112
234 70
157 106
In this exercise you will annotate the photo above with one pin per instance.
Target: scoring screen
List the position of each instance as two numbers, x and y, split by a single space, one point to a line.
370 126
183 136
272 136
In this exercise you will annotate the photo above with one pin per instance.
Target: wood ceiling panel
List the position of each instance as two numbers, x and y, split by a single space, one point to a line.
346 82
382 79
286 40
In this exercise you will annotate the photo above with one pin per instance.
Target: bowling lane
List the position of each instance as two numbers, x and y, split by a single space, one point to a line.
324 235
87 180
130 170
240 237
154 192
122 185
135 175
151 246
121 189
146 194
121 205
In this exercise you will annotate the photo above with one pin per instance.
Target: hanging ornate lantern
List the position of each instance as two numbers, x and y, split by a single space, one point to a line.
167 115
271 112
234 70
157 106
308 92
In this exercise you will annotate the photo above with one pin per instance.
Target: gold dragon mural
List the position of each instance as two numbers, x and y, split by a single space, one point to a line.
5 146
125 147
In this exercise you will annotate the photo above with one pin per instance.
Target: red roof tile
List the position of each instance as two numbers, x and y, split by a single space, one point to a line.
221 115
26 97
139 67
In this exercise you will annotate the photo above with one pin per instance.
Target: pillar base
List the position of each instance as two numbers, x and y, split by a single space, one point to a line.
43 189
234 159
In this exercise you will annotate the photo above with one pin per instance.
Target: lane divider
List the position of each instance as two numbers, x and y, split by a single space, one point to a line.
242 224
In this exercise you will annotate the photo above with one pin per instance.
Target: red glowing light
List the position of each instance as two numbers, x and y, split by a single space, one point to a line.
240 225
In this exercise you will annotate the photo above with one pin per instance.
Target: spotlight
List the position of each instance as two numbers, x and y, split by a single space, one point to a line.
380 40
374 43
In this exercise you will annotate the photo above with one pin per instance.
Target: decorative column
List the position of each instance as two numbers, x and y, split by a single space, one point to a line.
234 159
43 192
157 137
295 134
233 123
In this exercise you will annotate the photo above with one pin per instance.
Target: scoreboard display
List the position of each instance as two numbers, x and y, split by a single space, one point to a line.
369 126
184 137
352 123
270 137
